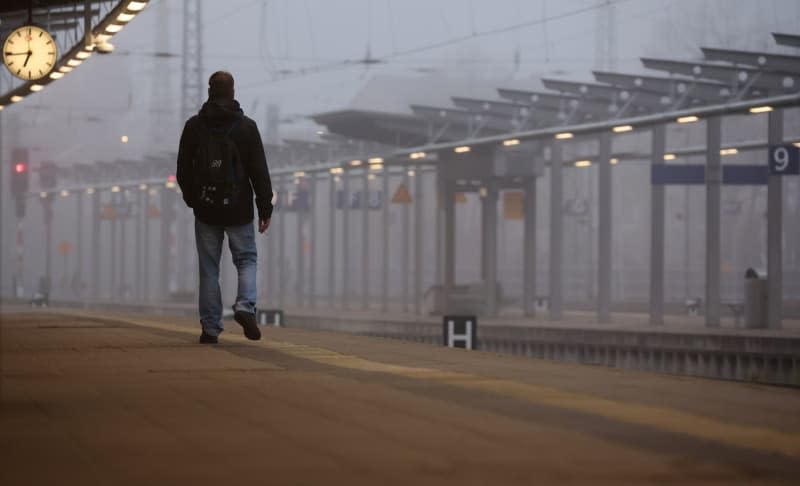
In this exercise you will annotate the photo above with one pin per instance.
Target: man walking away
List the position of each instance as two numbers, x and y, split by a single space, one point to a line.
221 163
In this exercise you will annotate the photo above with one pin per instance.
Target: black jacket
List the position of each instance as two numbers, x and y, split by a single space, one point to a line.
217 114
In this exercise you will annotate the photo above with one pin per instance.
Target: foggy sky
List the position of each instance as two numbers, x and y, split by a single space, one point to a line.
132 92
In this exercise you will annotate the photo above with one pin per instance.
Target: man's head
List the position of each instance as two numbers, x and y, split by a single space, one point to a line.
220 86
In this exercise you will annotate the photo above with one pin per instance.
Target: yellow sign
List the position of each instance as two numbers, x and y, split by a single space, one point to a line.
401 195
513 205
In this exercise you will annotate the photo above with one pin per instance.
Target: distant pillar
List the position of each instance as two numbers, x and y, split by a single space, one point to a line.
96 261
167 216
556 232
605 226
123 254
713 227
529 249
113 288
657 230
312 235
406 233
385 241
47 205
139 220
775 230
300 254
146 248
332 242
281 230
489 205
79 247
449 244
418 230
346 240
365 241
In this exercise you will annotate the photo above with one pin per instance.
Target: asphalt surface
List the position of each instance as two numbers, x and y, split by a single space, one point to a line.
125 399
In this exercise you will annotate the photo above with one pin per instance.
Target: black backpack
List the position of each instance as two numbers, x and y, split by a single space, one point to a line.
218 169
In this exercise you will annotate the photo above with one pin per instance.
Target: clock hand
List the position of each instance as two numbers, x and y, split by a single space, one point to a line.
26 59
16 53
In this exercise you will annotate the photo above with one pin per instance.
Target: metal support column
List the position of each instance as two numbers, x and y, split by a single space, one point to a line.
113 287
96 261
123 253
300 255
146 247
47 205
529 249
365 242
490 252
78 277
332 242
418 217
164 242
713 226
449 244
556 270
139 220
346 241
312 240
385 241
775 229
657 231
405 265
281 273
604 232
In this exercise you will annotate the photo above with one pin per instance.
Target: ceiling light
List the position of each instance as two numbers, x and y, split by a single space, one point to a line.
563 136
125 17
375 160
65 69
299 173
411 173
43 195
669 157
142 187
114 28
64 193
36 88
336 170
583 163
376 167
760 109
729 151
622 128
417 155
169 185
90 190
614 161
136 6
688 119
56 75
462 149
355 163
16 98
116 188
83 55
74 62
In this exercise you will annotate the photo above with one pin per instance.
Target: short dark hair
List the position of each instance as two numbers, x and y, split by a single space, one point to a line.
220 85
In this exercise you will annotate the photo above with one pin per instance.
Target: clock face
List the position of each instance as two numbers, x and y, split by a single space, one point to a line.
30 52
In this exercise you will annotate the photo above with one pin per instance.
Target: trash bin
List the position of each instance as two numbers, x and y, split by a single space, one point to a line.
755 300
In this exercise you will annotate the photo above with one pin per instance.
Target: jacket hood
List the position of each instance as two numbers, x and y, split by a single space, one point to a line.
218 111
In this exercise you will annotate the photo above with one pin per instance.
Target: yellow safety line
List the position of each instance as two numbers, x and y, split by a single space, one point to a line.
665 419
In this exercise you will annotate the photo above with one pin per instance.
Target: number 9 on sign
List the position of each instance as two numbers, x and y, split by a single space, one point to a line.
784 160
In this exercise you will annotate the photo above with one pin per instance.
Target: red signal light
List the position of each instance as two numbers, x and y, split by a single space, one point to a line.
171 178
20 167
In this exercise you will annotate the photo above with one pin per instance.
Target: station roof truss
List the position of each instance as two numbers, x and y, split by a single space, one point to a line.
723 81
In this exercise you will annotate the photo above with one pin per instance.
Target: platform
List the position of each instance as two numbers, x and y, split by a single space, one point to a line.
132 399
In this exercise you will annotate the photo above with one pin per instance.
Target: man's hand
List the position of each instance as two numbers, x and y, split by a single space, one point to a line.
263 224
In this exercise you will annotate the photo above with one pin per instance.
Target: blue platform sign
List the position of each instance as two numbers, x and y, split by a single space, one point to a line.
694 174
784 160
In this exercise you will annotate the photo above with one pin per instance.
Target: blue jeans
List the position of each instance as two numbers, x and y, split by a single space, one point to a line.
242 242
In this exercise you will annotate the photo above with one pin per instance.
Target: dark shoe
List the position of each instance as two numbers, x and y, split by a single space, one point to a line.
208 339
248 323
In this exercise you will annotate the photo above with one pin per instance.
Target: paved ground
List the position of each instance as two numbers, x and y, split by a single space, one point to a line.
133 400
